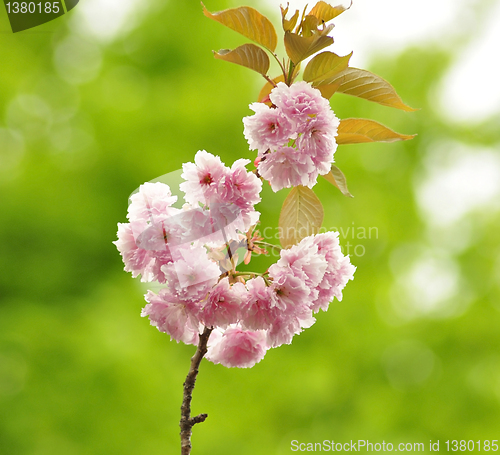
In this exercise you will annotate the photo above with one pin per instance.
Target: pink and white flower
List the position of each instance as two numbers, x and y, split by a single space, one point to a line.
223 304
294 152
144 251
153 202
241 187
237 347
172 316
267 129
286 167
304 262
202 178
299 102
285 327
191 274
259 309
289 292
339 270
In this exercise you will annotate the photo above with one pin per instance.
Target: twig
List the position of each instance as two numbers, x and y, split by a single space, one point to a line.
269 245
187 422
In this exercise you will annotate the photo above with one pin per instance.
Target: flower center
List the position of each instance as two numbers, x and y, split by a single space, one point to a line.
207 179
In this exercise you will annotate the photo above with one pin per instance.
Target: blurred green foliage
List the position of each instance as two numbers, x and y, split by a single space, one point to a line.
83 124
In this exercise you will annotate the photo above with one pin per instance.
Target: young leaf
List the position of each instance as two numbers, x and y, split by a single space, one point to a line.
363 84
266 90
358 130
249 22
249 55
301 216
309 25
325 12
324 66
288 25
337 178
299 48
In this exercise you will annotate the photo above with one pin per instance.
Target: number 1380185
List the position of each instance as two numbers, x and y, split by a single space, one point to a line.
32 7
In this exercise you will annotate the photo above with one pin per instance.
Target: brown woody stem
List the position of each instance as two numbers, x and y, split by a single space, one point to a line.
268 79
187 422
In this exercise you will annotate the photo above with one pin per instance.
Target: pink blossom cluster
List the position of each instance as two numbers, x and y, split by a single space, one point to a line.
161 241
295 138
180 248
263 312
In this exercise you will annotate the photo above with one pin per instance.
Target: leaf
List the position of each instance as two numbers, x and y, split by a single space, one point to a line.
325 12
249 55
359 130
266 90
299 48
301 216
366 85
288 25
309 25
249 22
324 66
337 178
327 91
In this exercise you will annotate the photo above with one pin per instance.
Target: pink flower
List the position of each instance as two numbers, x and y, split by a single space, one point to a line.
299 102
339 270
152 203
286 167
294 152
319 144
289 292
237 347
223 304
304 262
202 178
134 258
241 187
139 254
259 309
171 316
192 274
267 129
285 327
333 282
329 246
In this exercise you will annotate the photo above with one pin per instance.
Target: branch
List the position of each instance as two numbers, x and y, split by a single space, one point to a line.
187 422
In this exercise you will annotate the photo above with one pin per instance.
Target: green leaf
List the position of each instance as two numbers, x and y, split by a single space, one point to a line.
249 22
288 25
301 216
359 130
325 12
324 66
299 48
366 85
337 178
249 55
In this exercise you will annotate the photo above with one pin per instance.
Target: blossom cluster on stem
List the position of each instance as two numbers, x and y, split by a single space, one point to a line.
295 137
188 250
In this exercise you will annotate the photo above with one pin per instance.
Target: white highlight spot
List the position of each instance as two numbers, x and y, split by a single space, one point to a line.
460 179
470 91
106 20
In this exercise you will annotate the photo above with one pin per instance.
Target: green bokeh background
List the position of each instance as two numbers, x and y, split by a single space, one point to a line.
82 373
